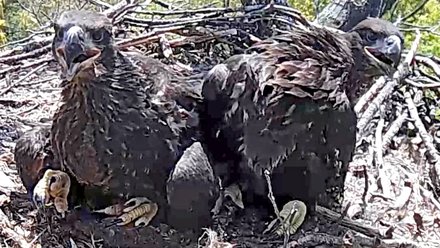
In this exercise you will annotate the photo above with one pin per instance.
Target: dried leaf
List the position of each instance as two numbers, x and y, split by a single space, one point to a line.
419 221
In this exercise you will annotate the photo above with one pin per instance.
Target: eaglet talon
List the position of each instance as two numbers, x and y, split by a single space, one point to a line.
134 203
52 189
292 214
140 209
112 210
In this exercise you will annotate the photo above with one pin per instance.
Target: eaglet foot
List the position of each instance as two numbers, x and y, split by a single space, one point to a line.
292 216
140 209
52 188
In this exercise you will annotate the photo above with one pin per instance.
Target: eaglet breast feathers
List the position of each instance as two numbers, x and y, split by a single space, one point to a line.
125 132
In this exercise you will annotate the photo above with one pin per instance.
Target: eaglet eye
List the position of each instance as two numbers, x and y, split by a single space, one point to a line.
97 36
372 36
59 32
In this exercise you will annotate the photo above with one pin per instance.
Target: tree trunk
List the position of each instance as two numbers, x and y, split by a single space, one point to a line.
345 14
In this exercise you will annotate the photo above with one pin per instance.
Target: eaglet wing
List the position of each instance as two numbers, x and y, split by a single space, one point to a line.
192 190
33 155
285 102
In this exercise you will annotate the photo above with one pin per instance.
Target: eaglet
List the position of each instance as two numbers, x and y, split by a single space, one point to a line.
123 124
284 108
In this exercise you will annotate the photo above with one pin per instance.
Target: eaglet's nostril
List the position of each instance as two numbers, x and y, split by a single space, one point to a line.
391 41
61 53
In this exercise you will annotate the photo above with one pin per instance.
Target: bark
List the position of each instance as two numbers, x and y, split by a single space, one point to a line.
345 14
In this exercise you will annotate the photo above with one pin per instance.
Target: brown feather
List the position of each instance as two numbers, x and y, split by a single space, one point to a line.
294 111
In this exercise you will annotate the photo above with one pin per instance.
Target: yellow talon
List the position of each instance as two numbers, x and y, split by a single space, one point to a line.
140 209
113 210
144 212
54 185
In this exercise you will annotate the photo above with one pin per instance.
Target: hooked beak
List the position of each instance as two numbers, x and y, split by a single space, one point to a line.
386 53
74 54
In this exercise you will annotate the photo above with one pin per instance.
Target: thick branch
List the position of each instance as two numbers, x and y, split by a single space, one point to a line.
345 14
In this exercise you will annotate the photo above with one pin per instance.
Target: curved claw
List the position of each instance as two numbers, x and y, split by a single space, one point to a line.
140 209
113 210
54 184
145 220
147 211
134 203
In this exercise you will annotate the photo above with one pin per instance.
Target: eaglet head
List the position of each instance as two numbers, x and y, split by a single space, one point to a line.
83 42
381 44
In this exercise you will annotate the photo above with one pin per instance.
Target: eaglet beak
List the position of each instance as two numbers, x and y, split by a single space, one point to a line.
386 53
75 54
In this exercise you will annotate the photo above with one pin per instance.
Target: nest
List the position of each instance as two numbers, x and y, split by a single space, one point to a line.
390 189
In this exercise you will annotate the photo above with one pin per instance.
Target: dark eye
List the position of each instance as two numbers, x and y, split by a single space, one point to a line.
97 36
59 32
372 36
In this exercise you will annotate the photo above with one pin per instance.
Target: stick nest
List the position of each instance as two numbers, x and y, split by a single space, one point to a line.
393 181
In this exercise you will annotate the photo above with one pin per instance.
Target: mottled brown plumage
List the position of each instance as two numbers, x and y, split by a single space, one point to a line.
33 155
286 106
124 119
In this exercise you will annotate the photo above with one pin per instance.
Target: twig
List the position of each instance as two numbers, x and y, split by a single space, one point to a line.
429 62
37 82
37 42
25 66
427 139
404 196
36 105
369 95
24 39
100 3
419 85
7 229
146 38
22 79
274 205
186 12
322 239
404 168
115 10
415 10
333 216
402 72
34 53
384 179
393 130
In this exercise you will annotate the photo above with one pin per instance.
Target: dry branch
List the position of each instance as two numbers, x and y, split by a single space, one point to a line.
393 130
4 91
350 240
426 137
32 54
8 230
429 62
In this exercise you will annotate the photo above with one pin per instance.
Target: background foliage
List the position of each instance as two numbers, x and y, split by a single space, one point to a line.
19 18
